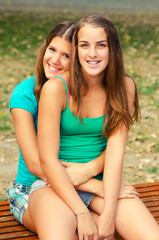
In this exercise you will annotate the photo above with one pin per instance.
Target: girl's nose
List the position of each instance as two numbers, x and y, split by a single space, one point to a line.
92 52
56 58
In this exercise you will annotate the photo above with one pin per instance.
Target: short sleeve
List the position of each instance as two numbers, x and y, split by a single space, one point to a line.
23 96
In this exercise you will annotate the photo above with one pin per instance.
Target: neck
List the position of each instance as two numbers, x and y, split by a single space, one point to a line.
94 81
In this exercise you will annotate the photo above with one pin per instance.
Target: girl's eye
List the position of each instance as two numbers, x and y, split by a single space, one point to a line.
84 45
102 45
52 49
66 56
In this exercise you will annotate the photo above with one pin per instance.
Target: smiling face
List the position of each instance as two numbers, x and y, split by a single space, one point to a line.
93 51
57 57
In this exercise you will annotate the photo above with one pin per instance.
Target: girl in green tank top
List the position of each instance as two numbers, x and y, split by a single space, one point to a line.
97 114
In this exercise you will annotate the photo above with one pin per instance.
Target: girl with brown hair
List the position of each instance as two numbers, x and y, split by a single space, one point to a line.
76 124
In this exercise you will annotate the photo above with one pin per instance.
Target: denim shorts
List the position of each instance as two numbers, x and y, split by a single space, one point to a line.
18 197
85 196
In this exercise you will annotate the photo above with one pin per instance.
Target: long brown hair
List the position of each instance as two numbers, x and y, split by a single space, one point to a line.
113 81
65 30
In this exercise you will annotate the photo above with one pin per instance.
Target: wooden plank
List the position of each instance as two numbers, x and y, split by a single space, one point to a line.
5 213
27 238
2 203
16 235
12 229
6 218
150 199
145 194
149 189
4 207
137 186
154 209
8 223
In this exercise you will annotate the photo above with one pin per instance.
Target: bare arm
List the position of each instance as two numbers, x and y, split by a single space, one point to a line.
127 191
113 169
27 140
80 173
52 103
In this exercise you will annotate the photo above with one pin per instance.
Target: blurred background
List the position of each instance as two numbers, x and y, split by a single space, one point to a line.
23 27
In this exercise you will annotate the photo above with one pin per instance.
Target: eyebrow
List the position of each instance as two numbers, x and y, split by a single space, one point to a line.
102 41
50 45
83 41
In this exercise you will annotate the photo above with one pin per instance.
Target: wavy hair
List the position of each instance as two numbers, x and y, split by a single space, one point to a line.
116 94
65 30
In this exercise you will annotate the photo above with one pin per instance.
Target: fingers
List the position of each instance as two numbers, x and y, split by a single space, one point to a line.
46 182
128 192
95 237
128 195
91 237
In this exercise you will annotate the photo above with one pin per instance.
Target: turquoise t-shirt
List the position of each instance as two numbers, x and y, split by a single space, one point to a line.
23 97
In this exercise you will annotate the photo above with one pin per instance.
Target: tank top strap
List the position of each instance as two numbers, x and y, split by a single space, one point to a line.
66 87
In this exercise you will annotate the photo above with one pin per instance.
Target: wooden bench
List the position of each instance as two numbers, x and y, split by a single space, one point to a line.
11 229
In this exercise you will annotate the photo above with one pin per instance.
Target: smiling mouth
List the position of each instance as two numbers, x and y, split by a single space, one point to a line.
93 62
53 68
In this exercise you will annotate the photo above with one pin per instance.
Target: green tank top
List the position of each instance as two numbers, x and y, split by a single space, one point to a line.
80 142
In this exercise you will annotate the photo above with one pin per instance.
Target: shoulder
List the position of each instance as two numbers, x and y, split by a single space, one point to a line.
56 84
23 95
131 91
55 91
24 87
130 84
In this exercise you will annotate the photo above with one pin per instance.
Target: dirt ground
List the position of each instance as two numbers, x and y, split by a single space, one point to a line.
141 163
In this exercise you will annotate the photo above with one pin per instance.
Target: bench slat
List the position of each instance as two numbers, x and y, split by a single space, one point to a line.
28 238
4 207
138 186
148 189
16 235
6 218
8 223
5 213
3 203
11 229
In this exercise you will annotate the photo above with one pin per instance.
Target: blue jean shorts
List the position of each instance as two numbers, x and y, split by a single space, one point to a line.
85 196
18 197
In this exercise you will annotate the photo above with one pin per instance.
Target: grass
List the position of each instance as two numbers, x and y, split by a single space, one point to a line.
152 169
23 33
5 122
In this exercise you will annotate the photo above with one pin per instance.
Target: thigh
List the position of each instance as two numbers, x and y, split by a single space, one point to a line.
134 221
51 216
97 205
27 221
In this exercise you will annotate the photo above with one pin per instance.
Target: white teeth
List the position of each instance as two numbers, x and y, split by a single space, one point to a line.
93 63
54 69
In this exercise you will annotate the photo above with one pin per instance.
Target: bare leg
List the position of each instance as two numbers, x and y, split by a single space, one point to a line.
133 219
52 218
28 222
